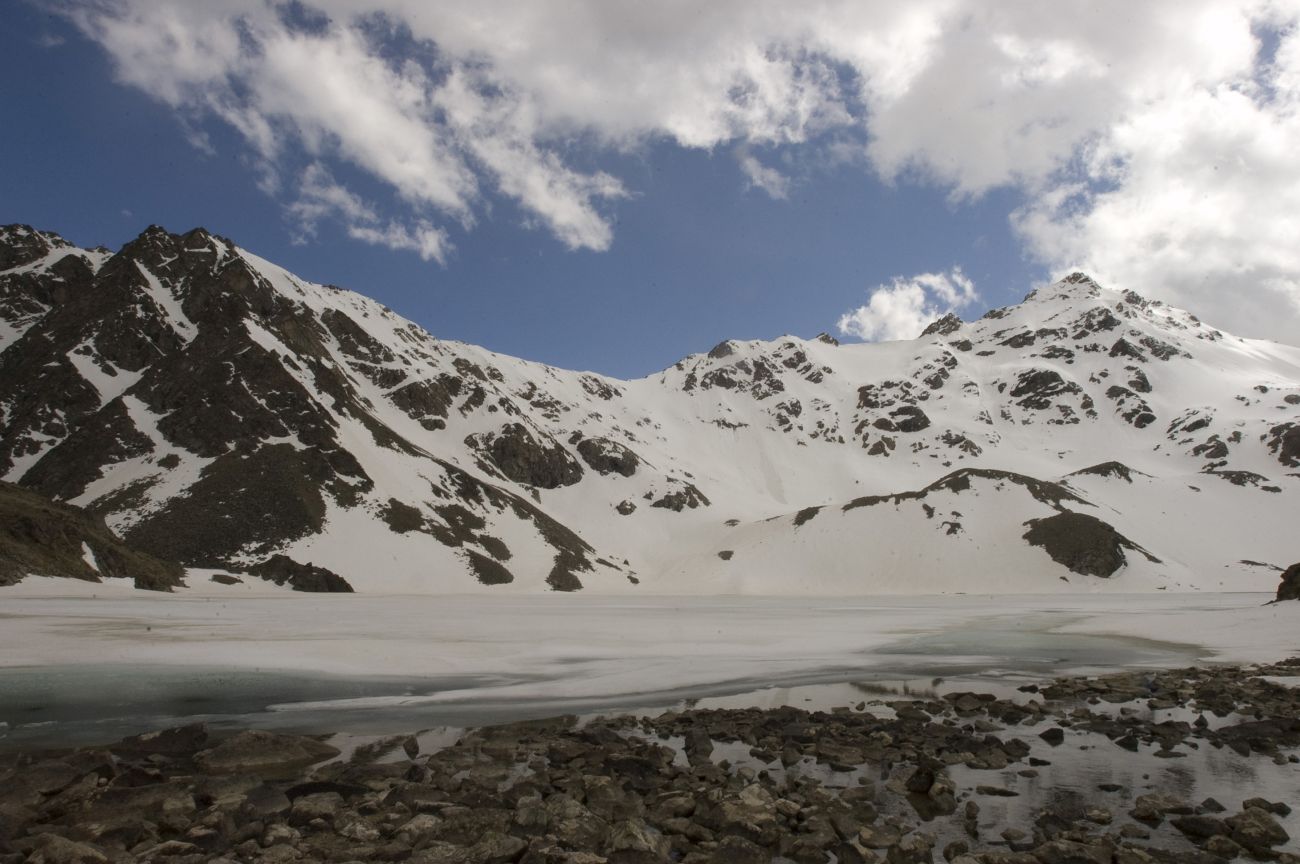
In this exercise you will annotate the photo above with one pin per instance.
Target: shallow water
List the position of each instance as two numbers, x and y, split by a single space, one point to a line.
89 704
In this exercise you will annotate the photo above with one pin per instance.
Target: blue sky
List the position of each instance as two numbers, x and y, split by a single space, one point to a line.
681 246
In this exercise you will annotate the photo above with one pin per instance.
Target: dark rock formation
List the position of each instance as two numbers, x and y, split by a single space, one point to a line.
523 459
42 537
1289 587
1083 543
282 570
1109 469
943 326
686 497
909 418
608 457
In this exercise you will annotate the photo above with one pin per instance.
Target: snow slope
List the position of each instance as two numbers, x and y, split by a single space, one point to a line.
217 409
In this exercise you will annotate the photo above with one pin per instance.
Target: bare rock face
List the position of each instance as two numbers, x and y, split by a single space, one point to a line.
1289 588
523 459
1083 543
687 497
943 326
282 570
44 537
608 457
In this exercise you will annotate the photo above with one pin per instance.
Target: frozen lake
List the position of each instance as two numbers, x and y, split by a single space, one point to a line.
80 668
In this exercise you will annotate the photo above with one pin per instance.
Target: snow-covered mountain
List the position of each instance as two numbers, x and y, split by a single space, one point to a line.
217 410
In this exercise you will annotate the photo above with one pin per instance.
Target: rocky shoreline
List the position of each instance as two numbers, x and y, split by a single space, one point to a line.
962 777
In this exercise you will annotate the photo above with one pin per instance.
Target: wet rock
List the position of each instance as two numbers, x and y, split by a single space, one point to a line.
634 835
912 849
1257 831
322 805
255 751
1154 807
265 801
738 850
1199 827
1277 808
699 746
1053 736
53 849
179 741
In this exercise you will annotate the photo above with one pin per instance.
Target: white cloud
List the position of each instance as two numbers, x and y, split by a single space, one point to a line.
1195 201
320 198
428 242
763 177
1151 141
903 308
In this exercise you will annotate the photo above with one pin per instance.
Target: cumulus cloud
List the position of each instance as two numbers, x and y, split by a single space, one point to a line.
1195 201
903 308
1149 141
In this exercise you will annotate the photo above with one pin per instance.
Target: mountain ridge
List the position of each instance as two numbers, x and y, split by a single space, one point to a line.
216 409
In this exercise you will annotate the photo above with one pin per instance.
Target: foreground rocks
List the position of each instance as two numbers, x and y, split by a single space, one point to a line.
901 782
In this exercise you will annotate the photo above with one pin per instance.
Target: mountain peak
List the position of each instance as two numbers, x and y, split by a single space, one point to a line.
218 410
943 326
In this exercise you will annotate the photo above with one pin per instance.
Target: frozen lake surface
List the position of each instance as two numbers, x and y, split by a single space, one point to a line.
79 668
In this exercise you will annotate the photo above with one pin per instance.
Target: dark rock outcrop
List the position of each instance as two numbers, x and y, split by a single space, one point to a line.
1289 587
523 459
943 326
1083 543
43 537
608 457
282 570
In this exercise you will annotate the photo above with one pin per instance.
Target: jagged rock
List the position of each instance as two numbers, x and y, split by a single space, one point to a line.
283 570
1257 831
1289 587
42 537
943 326
521 458
680 499
608 457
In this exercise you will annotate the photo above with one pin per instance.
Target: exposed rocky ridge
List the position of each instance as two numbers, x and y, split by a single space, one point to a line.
43 537
1289 587
217 410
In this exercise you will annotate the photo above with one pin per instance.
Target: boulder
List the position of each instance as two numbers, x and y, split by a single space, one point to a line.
254 751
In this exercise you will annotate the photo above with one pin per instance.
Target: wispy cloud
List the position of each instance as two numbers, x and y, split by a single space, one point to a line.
321 198
763 177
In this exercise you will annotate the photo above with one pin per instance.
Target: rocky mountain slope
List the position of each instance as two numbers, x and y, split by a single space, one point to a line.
45 538
216 410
